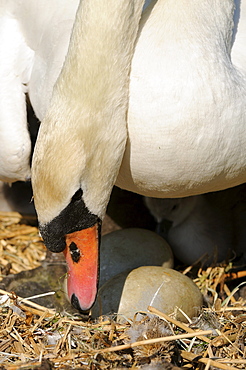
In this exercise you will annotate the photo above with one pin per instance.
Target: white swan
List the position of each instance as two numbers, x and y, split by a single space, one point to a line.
185 109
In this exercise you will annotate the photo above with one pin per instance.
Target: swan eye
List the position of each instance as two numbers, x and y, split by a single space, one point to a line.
77 195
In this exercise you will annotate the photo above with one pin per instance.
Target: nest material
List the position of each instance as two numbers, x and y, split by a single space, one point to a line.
21 247
32 336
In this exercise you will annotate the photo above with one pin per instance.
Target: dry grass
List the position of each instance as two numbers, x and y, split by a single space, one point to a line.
32 336
21 247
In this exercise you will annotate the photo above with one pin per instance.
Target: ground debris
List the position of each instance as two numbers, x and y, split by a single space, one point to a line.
21 247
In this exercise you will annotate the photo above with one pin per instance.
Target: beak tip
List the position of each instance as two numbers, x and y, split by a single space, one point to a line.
75 303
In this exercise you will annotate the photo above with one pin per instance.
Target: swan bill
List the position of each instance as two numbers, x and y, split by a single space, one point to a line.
82 256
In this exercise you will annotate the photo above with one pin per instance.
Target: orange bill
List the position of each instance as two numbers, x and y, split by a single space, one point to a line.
81 253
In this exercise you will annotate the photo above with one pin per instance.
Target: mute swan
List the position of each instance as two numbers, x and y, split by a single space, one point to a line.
155 105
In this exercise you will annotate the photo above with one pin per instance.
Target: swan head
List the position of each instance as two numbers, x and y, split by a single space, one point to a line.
76 233
73 174
67 225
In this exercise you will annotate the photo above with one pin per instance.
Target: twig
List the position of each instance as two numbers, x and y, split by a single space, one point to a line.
234 275
232 361
192 357
50 312
176 322
24 231
155 340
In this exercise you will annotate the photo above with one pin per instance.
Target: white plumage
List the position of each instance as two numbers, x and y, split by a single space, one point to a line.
34 38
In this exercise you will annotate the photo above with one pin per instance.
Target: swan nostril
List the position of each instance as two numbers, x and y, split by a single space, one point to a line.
75 252
76 305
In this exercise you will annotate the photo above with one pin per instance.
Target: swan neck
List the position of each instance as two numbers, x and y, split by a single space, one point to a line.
82 138
101 50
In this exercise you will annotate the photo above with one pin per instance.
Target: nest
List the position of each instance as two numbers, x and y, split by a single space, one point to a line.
33 336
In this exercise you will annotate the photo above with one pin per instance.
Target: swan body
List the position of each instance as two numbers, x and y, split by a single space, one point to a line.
34 38
186 88
154 103
202 96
